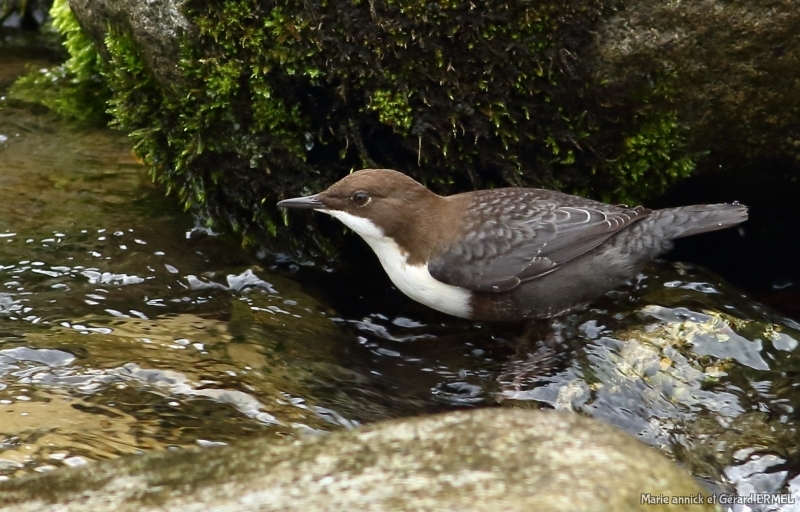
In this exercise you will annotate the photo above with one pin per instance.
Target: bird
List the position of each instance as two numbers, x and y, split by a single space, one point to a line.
505 254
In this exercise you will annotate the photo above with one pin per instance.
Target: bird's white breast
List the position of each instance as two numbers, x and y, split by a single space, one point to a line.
413 280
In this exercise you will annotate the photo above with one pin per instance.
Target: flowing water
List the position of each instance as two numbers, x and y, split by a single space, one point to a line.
126 327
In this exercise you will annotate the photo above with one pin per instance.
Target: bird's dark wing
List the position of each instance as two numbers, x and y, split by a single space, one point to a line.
501 251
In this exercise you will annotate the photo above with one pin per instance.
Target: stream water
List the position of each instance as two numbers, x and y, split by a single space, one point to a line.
126 327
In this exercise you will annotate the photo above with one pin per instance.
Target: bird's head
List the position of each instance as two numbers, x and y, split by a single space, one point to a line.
372 202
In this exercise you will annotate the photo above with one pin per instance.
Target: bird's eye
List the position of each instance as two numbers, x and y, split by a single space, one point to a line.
360 198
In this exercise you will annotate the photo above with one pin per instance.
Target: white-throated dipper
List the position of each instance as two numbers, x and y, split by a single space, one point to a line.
505 254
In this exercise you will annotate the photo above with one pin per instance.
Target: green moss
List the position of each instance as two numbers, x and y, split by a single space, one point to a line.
393 110
647 164
653 153
75 89
136 99
83 61
285 98
197 139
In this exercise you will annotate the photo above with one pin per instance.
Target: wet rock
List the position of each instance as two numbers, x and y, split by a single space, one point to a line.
156 26
684 362
726 57
473 460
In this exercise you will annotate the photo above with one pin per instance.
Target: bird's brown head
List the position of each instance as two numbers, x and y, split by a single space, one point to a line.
372 198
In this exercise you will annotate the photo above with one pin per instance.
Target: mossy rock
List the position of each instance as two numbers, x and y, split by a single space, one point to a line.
479 460
237 104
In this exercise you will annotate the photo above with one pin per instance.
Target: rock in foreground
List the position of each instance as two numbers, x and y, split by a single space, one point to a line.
470 460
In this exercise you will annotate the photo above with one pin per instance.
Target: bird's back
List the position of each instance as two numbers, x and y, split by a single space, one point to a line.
540 253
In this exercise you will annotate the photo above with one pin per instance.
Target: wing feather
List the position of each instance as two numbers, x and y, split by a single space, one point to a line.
508 244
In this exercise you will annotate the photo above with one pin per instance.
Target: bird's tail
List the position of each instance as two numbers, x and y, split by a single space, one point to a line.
700 218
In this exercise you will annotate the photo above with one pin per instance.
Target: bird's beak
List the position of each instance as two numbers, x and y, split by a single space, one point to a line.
308 202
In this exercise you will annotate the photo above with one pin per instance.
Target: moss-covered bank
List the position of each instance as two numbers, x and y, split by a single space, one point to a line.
237 104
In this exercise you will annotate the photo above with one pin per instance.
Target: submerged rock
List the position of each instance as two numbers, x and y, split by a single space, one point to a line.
471 460
687 364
